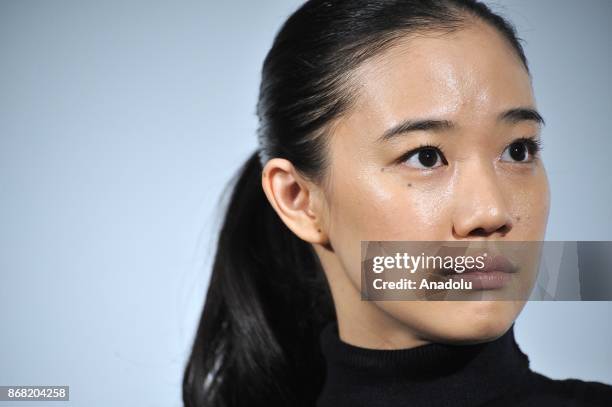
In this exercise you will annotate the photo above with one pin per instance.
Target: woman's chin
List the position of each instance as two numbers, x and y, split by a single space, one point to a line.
466 322
481 321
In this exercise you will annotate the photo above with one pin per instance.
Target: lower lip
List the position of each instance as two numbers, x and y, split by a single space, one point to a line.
489 280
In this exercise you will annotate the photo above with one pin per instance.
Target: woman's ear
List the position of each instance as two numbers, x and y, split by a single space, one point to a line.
295 199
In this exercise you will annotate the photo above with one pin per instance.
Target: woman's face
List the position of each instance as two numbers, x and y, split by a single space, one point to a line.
470 98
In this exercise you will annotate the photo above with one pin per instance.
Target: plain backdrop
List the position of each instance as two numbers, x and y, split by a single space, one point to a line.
122 121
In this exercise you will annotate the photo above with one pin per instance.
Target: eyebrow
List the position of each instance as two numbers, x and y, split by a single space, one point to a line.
511 116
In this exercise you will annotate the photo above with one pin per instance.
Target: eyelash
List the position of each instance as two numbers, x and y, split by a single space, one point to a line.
414 151
533 144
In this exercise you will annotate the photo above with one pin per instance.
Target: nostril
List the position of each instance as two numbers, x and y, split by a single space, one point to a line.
483 232
504 229
479 232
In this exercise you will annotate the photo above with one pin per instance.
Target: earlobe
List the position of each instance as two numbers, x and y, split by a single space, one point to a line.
317 211
290 196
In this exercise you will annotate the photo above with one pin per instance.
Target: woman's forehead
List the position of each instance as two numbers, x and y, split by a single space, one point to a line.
469 75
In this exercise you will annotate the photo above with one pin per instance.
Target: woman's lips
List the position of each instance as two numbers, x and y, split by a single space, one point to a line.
499 263
497 273
491 263
484 280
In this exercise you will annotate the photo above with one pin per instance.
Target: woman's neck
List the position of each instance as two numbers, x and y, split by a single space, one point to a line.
433 374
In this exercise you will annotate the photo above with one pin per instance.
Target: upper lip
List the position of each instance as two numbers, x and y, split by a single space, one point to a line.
497 262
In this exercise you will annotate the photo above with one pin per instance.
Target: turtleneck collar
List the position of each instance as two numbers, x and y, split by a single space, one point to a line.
434 374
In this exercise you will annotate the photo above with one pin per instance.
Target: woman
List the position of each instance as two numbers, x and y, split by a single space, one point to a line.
379 120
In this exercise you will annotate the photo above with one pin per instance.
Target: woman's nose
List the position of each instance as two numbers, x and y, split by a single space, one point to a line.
480 208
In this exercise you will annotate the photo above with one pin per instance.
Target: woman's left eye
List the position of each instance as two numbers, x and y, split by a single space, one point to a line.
424 157
522 150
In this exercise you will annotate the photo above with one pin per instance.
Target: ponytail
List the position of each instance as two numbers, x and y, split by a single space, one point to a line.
267 301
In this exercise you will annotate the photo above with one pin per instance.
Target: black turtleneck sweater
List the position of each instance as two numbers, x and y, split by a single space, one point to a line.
495 373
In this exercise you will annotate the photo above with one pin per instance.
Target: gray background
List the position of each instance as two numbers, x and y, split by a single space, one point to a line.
120 123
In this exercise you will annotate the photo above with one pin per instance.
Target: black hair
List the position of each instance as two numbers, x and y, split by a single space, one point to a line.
268 299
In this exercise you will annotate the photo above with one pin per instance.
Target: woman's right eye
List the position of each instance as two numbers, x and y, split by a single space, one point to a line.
427 157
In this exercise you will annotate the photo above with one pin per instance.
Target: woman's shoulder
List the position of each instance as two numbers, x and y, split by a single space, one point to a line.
542 391
577 390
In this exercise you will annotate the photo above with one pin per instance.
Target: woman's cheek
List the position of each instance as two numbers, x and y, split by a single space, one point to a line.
431 213
529 199
397 207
